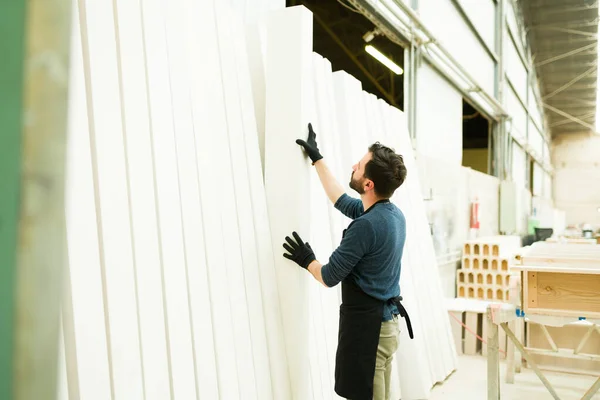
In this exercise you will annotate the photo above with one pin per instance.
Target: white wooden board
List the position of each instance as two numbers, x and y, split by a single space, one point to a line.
191 207
108 155
140 166
229 219
179 292
204 62
244 207
169 202
437 311
272 312
287 177
415 381
62 387
440 344
84 273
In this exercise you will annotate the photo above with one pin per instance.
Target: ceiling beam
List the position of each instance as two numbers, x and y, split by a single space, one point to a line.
590 102
570 24
567 54
568 120
352 57
549 9
572 82
569 116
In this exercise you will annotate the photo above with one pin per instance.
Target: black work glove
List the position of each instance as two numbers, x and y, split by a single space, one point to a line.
301 253
310 146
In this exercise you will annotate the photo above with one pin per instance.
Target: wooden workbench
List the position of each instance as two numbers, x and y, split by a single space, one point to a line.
561 284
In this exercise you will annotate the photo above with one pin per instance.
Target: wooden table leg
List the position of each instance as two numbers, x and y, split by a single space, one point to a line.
493 359
510 357
590 393
532 364
520 334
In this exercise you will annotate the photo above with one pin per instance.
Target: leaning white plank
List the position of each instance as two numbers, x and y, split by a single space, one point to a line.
326 131
413 257
245 220
411 358
333 154
142 197
447 351
203 64
349 117
84 274
255 64
287 179
415 380
334 150
169 203
414 384
280 380
411 283
327 222
320 237
69 348
108 154
191 208
438 332
233 260
62 387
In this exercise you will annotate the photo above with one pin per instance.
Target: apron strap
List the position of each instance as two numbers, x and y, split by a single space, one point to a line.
397 302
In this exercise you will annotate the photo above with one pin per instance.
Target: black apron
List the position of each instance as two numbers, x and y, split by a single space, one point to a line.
360 325
358 338
361 316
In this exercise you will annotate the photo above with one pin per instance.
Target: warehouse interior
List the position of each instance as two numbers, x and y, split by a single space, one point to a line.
150 174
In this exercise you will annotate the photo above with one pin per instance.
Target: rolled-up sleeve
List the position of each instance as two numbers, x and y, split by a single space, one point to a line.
357 241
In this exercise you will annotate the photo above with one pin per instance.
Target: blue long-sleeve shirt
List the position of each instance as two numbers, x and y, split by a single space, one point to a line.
370 251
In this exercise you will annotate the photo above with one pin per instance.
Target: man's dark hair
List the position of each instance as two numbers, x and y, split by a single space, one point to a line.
386 169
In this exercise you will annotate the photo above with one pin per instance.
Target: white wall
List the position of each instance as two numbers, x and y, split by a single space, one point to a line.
439 117
518 113
577 177
519 166
515 69
486 189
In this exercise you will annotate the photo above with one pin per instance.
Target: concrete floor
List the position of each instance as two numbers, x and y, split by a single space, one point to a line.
469 382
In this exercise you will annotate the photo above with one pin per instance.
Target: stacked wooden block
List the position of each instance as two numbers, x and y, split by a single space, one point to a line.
485 272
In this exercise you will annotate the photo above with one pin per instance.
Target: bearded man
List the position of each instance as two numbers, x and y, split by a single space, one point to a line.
367 263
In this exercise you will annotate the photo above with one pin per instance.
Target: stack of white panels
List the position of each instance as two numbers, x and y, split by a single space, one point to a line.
176 286
347 121
171 275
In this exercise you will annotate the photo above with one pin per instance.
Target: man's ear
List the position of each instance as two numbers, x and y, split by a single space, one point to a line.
369 185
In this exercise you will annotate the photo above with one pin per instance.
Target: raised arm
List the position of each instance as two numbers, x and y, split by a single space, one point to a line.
332 187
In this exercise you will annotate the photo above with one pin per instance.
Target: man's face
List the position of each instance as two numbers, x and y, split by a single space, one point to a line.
358 181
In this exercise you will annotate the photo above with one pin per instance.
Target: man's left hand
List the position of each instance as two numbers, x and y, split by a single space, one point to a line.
301 253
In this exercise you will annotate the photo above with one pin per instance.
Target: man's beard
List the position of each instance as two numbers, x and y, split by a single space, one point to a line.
357 185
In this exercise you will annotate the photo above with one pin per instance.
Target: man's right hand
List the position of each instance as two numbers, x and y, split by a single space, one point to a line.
310 145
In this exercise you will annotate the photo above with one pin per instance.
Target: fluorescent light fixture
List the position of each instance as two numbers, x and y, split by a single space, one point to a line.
383 59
